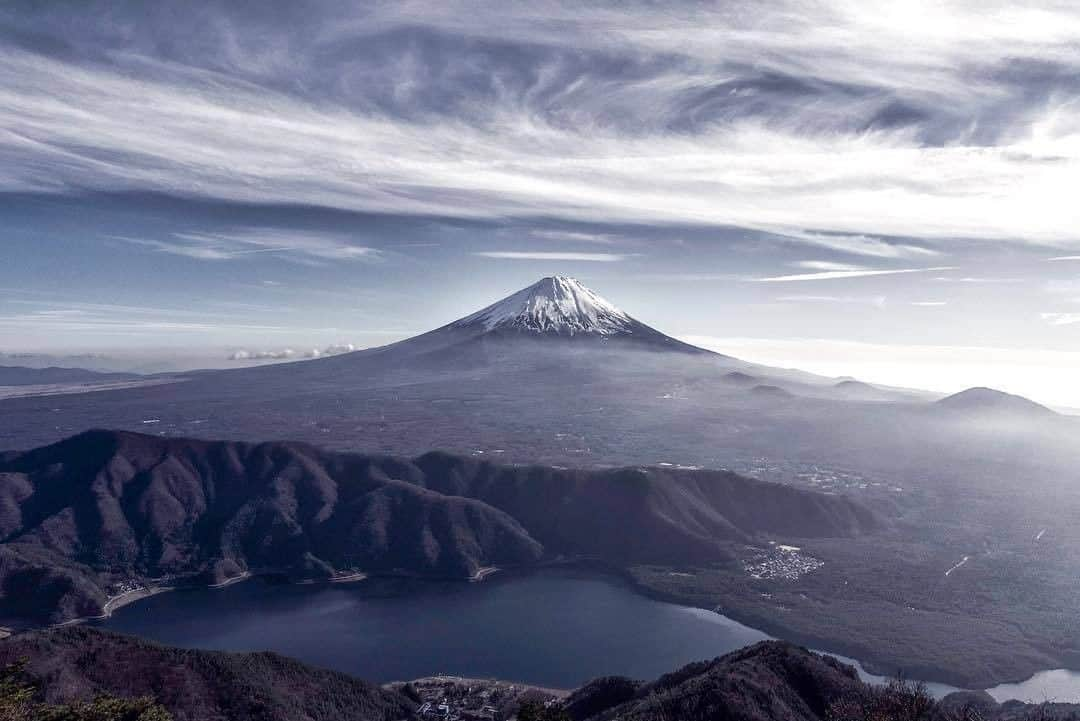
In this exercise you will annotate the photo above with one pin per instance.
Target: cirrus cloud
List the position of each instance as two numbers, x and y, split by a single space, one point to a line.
847 272
833 123
303 246
544 255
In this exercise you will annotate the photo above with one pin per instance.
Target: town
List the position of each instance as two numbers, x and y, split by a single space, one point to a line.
453 698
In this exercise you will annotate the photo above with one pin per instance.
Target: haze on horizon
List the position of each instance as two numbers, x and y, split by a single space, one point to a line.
865 189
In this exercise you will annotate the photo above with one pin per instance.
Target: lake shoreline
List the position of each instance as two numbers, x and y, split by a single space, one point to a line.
584 565
868 661
115 603
831 647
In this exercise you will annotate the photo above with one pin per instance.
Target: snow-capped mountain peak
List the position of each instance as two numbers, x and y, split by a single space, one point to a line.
556 305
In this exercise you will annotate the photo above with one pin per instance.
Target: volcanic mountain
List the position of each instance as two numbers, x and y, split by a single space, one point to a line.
556 313
555 305
562 307
552 330
552 373
519 375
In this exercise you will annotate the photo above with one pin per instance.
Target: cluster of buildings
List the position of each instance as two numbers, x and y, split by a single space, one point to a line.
451 698
449 711
780 562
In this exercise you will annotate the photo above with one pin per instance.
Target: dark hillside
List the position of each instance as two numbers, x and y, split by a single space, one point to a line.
105 513
78 663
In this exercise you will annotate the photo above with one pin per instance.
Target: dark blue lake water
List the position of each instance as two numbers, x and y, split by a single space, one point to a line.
555 628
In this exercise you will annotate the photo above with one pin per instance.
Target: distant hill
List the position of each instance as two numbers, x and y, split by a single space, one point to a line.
771 391
778 681
764 682
22 376
103 512
739 378
79 663
858 391
993 402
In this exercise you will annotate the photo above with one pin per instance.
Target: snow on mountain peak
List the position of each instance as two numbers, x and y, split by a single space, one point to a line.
557 305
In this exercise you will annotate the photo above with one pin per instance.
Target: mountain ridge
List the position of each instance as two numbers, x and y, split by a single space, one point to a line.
79 662
25 375
104 512
768 681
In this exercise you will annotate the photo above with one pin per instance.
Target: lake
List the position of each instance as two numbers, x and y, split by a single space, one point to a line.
556 628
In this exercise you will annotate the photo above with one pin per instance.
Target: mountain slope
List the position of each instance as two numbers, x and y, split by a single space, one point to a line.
651 515
858 391
76 663
111 510
105 511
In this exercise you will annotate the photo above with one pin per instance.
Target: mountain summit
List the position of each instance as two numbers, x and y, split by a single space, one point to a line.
557 305
563 308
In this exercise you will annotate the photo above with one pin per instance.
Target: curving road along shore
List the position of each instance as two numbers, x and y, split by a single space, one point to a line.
127 597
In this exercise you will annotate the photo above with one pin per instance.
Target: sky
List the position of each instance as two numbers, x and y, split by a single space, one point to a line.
877 189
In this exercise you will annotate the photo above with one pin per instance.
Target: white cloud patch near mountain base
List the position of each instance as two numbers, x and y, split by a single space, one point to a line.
291 354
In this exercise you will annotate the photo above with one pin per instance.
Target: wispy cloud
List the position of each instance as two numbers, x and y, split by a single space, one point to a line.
826 265
878 301
78 307
976 279
1060 318
552 255
1064 257
293 245
861 245
62 318
105 327
1063 287
575 236
842 274
837 124
929 303
688 277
